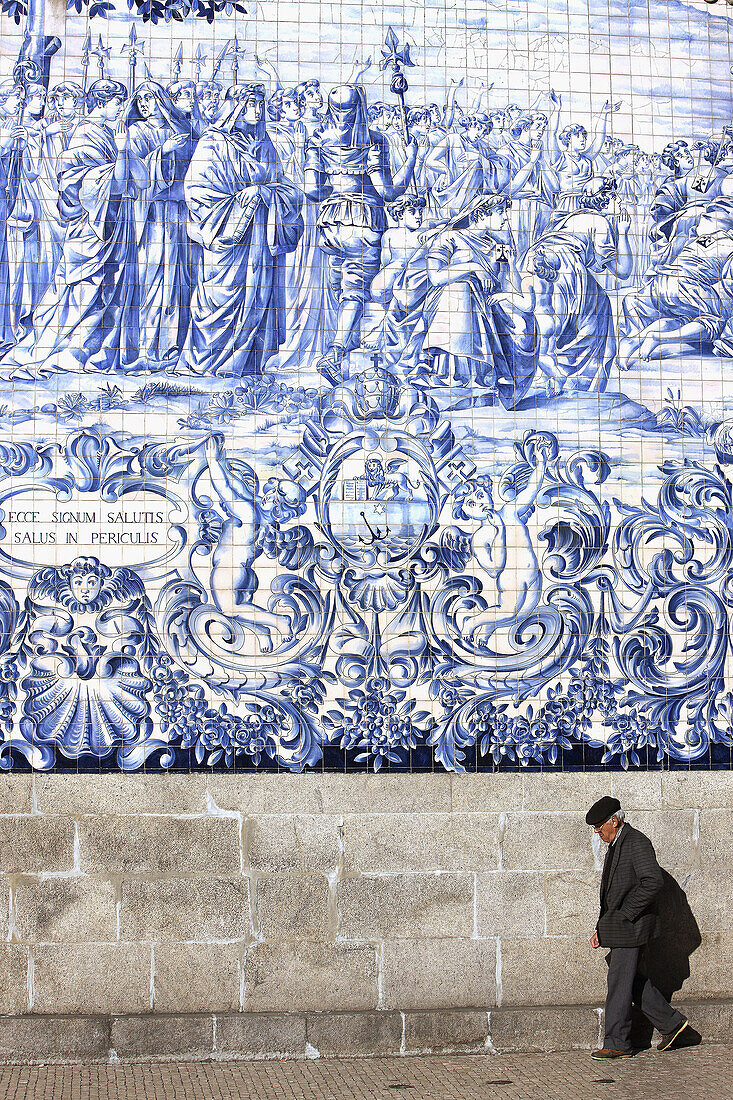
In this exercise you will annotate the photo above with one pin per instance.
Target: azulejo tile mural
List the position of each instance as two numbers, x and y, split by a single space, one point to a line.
366 385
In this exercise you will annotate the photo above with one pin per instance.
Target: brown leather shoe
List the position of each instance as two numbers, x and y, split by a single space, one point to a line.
606 1053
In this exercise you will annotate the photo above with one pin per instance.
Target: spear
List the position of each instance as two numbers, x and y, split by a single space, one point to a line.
132 49
85 52
220 60
198 62
237 52
102 53
398 60
148 74
177 64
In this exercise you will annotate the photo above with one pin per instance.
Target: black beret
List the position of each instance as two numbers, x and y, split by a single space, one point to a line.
601 810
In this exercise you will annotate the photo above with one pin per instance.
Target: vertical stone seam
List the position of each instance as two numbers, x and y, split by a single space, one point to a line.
404 1033
31 981
152 977
380 974
499 987
599 1013
12 912
474 934
501 833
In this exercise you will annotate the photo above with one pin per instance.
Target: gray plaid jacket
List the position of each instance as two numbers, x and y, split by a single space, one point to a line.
631 881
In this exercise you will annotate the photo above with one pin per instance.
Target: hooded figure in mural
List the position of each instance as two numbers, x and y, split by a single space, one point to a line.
246 217
163 138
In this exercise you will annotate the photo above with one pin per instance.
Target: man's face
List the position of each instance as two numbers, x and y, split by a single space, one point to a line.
577 142
608 830
65 104
313 98
184 101
210 103
110 111
36 102
498 120
413 219
492 219
11 106
685 161
291 110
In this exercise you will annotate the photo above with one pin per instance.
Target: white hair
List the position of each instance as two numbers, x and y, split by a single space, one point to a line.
618 814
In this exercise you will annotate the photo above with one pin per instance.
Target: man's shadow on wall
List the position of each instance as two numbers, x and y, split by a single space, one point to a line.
666 960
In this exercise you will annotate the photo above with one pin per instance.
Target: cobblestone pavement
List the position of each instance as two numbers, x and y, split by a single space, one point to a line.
704 1073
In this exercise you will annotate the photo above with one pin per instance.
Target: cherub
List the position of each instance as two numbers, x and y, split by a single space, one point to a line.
502 546
250 514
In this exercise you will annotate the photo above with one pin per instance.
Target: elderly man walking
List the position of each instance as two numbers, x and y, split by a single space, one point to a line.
630 883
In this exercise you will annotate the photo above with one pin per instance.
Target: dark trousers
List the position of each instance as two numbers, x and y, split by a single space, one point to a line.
628 985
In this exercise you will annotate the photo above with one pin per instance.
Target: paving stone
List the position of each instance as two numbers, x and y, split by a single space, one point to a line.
425 842
160 845
199 977
434 1032
375 907
700 1073
293 842
73 910
310 977
29 844
355 1033
252 1034
104 978
158 1036
295 907
185 909
467 970
510 903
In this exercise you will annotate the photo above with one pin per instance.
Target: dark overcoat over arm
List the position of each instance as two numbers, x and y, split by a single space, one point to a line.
628 916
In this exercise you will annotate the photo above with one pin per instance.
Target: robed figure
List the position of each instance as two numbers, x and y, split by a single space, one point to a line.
163 138
89 320
246 217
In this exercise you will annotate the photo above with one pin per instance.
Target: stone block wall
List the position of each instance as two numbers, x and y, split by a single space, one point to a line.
254 915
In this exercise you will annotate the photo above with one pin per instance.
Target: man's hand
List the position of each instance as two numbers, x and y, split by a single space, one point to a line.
594 941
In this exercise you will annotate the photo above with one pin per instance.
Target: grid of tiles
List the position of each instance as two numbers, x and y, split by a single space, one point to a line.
364 385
